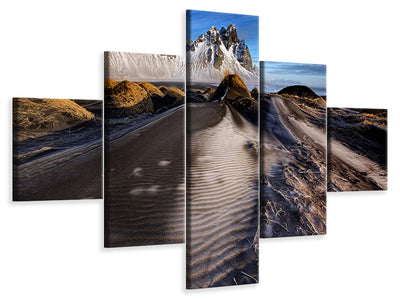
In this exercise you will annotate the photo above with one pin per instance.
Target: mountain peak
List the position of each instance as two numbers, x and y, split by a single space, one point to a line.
238 47
213 28
218 51
229 36
212 36
231 28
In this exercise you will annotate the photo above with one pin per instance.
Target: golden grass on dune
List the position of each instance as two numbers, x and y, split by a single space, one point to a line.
255 93
126 94
233 90
314 103
177 91
237 88
109 83
374 119
151 89
48 114
173 93
129 98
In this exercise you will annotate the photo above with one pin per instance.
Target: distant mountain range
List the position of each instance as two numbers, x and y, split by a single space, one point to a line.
143 67
218 52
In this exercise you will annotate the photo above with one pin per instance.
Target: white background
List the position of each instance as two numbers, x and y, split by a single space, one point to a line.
53 250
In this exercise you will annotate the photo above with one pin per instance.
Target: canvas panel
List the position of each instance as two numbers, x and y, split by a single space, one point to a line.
293 156
357 143
57 149
144 149
222 207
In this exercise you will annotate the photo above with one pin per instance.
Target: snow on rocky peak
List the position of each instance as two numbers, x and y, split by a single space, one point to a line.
218 52
212 35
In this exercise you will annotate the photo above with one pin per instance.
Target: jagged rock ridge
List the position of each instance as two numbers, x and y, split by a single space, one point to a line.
218 52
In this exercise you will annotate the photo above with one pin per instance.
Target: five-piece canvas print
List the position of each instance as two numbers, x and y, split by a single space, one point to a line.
293 149
144 149
222 227
357 143
57 149
250 153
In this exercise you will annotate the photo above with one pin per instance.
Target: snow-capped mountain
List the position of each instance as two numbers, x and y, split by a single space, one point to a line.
143 67
218 52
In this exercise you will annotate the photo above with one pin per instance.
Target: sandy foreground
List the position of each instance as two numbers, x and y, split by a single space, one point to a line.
222 197
70 174
357 142
293 162
57 149
144 184
352 171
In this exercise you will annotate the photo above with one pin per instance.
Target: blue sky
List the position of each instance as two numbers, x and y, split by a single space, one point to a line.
246 26
277 75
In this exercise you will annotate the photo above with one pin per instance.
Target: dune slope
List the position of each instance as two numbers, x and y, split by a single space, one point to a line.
144 184
357 141
33 117
293 185
75 173
222 197
57 149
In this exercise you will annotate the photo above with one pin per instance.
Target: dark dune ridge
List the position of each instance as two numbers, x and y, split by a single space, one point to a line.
293 163
232 90
222 190
57 149
144 183
357 141
299 91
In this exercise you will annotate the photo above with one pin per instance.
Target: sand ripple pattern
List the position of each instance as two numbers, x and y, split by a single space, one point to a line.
74 173
222 200
144 185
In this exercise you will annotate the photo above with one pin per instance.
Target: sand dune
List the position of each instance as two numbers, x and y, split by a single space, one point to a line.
293 187
57 149
127 98
71 174
367 174
144 184
222 197
357 141
34 117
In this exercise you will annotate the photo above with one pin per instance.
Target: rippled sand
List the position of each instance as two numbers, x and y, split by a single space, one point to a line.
57 155
222 197
144 184
65 175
